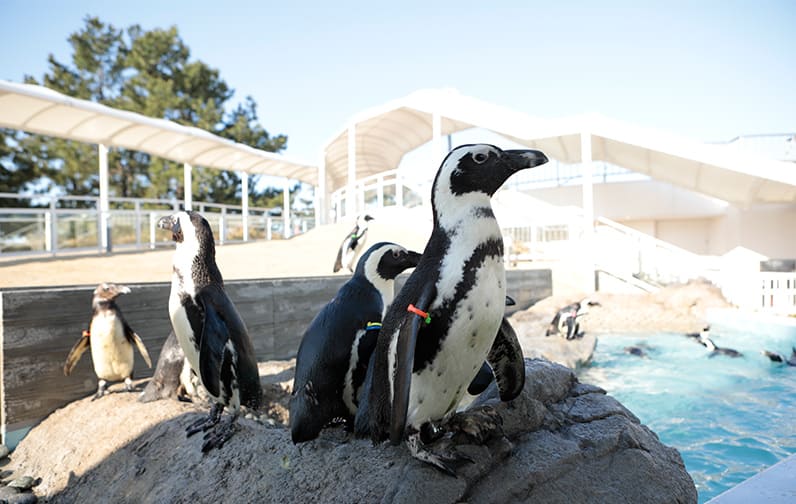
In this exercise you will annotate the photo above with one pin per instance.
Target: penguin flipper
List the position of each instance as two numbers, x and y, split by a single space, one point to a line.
507 362
215 335
133 337
75 353
404 362
338 263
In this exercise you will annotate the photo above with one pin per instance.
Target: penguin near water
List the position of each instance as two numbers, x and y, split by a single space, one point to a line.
352 244
111 340
334 352
716 350
445 322
778 357
566 323
209 329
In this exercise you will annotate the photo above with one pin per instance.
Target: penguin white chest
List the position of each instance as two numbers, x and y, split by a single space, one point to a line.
111 353
183 330
437 389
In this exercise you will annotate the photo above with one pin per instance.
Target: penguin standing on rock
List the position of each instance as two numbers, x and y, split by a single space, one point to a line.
336 347
446 320
209 329
565 322
111 340
352 244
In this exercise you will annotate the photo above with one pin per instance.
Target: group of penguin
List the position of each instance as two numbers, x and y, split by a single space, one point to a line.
389 365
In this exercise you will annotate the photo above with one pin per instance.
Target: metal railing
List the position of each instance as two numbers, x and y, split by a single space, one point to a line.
71 224
377 191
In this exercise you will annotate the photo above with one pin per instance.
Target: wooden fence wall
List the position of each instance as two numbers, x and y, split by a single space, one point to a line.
39 326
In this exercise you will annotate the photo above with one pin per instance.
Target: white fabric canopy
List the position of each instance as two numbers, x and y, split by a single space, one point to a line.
384 134
37 109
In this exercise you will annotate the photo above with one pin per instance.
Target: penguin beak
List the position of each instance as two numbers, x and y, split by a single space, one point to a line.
413 257
521 159
172 223
123 289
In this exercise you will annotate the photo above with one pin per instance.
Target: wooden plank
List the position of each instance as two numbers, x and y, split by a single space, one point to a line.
39 326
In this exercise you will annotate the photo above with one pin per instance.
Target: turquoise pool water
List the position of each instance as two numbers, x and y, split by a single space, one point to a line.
729 418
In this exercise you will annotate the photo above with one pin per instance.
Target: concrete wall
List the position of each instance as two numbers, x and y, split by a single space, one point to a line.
39 326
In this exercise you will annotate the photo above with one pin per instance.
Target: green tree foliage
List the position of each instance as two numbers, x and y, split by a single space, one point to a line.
152 73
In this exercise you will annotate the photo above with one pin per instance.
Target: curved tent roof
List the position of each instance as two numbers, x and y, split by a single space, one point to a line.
384 134
37 109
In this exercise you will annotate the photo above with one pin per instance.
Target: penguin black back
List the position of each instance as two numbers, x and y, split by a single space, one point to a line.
336 347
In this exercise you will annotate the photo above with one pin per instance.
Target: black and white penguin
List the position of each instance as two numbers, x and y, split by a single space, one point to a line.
715 350
445 322
352 244
333 356
209 328
637 351
111 340
566 323
778 357
698 336
169 381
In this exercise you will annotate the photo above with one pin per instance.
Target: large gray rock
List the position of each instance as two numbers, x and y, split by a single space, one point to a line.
562 442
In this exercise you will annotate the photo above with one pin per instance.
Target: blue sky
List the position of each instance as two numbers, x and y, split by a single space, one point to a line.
710 70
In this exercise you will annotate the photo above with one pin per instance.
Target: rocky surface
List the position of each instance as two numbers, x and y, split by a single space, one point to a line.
676 308
562 441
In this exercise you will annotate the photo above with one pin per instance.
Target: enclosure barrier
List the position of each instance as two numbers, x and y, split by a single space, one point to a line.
39 326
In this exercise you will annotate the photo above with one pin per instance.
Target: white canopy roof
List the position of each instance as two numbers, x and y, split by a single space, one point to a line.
37 109
384 134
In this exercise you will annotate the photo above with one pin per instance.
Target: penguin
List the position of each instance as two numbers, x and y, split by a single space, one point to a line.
336 347
169 378
445 322
697 336
352 244
209 328
778 357
637 351
565 322
111 340
714 350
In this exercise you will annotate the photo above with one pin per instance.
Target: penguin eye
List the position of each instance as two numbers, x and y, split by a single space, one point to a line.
480 157
396 254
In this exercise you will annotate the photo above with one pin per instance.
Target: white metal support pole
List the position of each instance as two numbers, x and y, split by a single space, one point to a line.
436 151
286 209
187 180
244 204
321 198
588 208
104 206
351 196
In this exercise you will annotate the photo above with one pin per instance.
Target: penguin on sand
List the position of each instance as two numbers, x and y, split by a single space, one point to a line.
111 340
336 347
169 377
445 321
352 244
209 329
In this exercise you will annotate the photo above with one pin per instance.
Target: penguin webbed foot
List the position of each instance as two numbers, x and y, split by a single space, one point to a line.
205 423
220 434
102 388
444 456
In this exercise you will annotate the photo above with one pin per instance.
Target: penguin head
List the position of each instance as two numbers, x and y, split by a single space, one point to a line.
479 169
107 292
385 261
189 230
363 220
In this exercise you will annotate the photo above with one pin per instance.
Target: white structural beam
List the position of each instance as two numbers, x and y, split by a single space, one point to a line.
104 206
286 209
321 198
351 196
588 185
244 204
187 181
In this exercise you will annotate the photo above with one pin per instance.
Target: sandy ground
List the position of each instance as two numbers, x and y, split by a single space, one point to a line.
310 254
